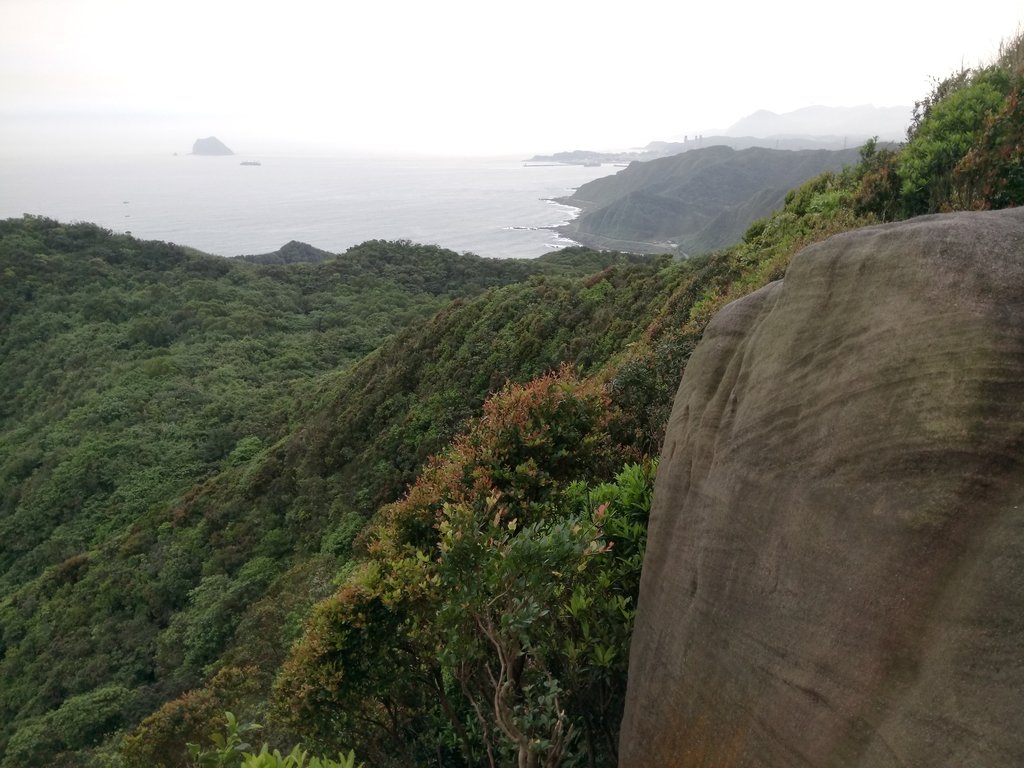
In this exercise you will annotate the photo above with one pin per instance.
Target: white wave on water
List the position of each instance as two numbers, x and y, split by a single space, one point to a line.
553 240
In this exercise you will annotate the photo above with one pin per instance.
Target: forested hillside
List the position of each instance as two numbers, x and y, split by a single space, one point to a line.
393 501
696 201
134 371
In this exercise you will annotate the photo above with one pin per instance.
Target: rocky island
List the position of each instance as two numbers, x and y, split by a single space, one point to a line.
211 145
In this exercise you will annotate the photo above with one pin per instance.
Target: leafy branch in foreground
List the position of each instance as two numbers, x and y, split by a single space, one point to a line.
230 750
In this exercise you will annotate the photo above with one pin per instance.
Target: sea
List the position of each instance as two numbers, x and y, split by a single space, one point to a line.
495 207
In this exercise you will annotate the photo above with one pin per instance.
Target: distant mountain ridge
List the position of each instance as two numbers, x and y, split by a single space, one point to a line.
860 122
659 149
815 127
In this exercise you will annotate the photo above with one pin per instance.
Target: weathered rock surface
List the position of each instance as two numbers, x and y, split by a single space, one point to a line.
835 574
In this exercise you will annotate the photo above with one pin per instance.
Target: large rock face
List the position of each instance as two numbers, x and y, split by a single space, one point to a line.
835 574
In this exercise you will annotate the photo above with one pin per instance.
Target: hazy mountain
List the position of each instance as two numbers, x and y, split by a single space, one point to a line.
665 148
864 121
816 127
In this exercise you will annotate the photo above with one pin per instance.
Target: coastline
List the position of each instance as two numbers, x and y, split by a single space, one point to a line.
599 243
563 231
333 203
570 231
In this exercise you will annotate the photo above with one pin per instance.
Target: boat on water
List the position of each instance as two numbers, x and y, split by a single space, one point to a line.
250 162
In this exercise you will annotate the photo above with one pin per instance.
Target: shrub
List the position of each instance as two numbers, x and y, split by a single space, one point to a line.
991 174
230 750
944 134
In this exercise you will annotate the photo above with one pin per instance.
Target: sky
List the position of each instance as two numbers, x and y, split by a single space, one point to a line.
458 76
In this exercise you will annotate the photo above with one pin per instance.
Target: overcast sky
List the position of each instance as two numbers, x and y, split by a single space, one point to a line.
455 76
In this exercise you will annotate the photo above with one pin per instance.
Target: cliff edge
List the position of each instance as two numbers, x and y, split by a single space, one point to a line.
835 569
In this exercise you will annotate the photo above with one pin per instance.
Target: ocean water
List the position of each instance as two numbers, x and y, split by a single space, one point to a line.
494 207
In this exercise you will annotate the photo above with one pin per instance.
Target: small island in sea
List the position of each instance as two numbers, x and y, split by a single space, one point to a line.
211 145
